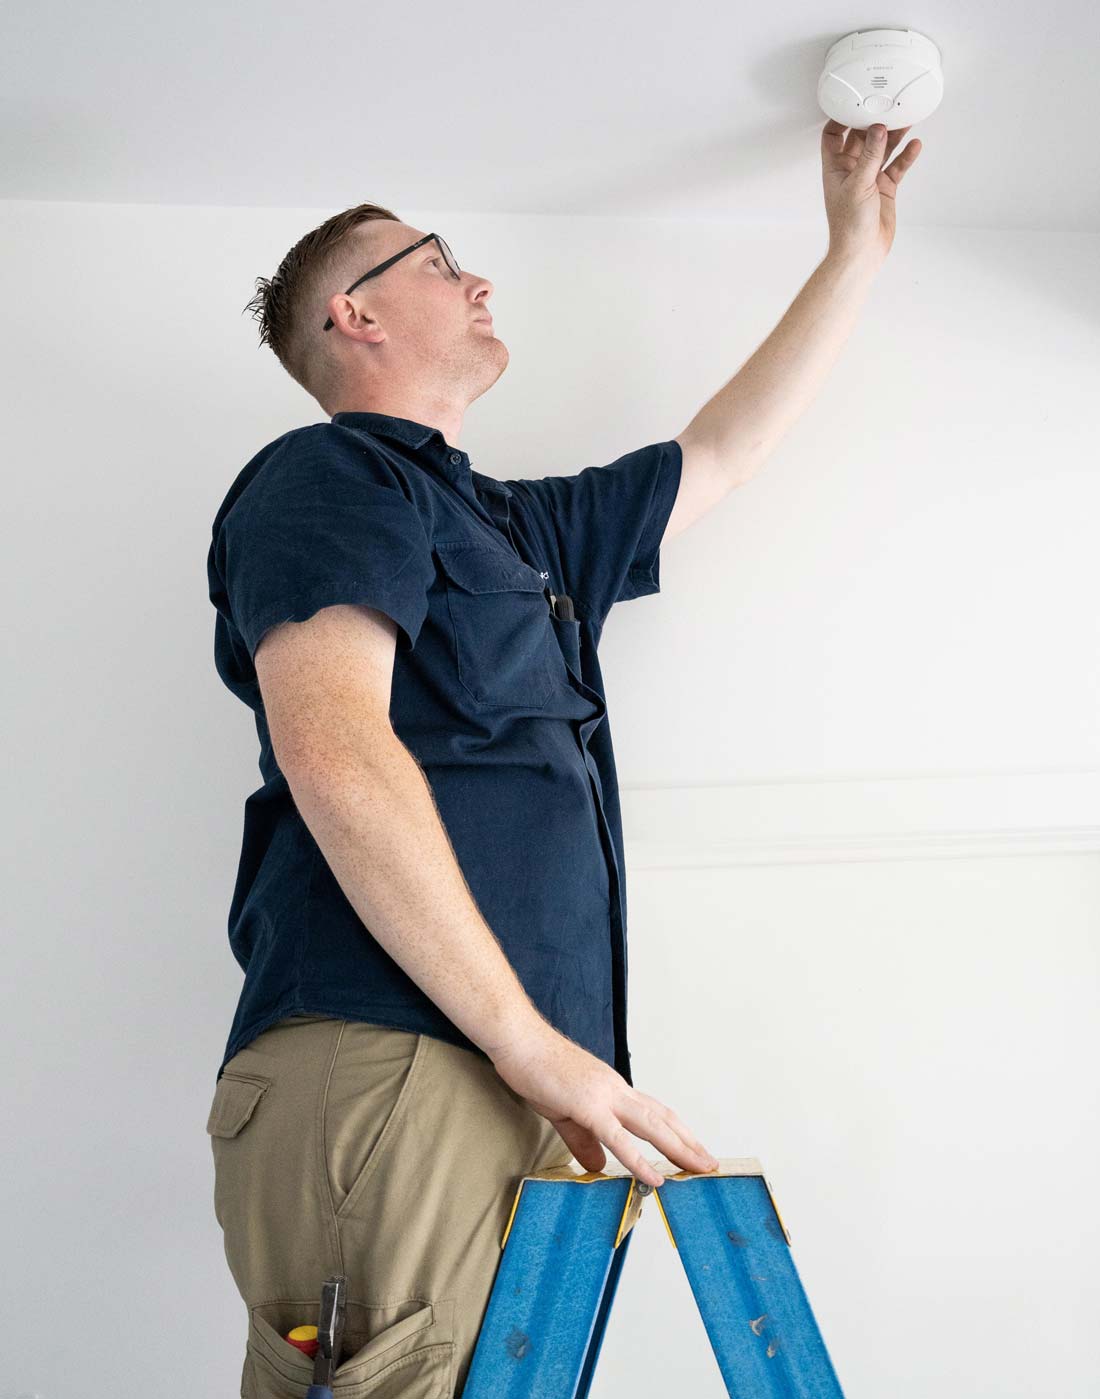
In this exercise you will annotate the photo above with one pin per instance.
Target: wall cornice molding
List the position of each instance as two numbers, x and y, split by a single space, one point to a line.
934 817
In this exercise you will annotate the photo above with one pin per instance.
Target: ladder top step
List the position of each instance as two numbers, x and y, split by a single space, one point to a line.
727 1166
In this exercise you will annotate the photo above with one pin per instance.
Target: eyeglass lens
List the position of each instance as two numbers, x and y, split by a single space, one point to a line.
449 258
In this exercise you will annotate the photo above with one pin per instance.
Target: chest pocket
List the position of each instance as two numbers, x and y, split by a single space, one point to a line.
502 629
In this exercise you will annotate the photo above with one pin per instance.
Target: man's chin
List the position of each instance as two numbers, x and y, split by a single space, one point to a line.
498 352
493 366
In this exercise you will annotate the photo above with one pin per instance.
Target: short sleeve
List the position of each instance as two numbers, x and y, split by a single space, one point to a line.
605 524
323 522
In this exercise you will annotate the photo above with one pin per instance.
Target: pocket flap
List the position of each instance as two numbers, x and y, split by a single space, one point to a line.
478 568
235 1100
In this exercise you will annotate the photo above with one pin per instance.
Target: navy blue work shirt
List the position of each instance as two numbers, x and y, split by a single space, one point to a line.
498 697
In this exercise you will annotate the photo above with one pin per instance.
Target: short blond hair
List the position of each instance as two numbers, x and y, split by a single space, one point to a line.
290 306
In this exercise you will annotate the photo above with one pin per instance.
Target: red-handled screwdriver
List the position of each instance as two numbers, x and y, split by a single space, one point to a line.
304 1338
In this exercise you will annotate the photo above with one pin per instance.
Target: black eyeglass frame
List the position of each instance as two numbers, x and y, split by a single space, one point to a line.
448 258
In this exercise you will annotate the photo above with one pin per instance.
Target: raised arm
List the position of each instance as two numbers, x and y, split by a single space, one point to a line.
733 434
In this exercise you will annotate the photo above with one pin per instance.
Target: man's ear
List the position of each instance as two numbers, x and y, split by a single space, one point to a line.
358 325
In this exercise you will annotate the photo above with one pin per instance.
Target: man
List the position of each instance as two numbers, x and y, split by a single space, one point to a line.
430 909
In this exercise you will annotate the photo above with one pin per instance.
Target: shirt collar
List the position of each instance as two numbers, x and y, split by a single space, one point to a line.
434 448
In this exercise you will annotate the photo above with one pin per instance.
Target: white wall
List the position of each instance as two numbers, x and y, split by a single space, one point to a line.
856 734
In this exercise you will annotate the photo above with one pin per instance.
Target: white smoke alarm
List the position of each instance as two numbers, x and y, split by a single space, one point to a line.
890 76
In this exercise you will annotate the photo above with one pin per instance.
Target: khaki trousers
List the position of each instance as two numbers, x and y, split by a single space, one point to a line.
390 1156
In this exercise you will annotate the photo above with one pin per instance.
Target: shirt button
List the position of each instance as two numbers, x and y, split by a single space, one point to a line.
456 457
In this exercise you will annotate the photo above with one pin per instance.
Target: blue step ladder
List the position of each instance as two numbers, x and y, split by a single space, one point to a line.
563 1252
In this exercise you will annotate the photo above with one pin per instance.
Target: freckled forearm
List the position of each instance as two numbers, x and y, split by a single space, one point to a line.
377 825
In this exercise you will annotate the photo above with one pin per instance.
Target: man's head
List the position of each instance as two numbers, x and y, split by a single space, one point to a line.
409 336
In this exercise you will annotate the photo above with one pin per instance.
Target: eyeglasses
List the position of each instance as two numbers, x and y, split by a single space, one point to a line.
448 258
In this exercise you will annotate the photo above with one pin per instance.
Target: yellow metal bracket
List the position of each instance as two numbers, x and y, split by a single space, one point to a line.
727 1166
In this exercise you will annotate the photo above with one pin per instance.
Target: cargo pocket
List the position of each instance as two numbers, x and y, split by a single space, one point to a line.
500 615
236 1098
401 1350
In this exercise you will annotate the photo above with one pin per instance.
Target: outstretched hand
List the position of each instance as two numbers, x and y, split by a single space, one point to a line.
860 189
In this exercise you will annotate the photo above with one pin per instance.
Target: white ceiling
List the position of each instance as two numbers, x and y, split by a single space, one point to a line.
687 109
